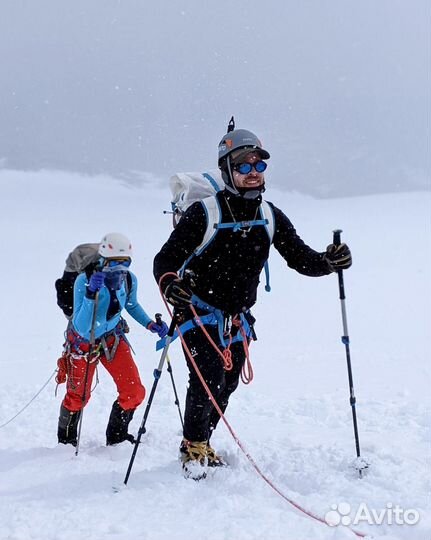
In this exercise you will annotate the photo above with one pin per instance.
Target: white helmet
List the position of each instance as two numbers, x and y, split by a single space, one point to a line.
115 245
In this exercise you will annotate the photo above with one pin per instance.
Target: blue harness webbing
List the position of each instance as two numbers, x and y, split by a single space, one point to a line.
236 226
215 317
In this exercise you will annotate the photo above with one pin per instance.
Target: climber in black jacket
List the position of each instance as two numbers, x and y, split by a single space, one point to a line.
220 275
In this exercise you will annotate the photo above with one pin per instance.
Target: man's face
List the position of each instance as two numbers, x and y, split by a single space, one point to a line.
251 180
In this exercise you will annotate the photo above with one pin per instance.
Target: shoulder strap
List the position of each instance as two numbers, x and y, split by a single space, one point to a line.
268 214
88 271
213 215
212 181
128 283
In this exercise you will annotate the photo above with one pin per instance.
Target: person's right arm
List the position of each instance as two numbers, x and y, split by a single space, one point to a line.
83 307
184 239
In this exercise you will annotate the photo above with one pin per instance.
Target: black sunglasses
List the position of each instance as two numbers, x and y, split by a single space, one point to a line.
246 168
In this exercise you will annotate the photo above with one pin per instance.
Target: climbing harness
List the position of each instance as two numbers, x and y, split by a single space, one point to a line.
78 347
242 323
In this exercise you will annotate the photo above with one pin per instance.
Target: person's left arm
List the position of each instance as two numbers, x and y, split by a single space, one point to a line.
133 307
298 255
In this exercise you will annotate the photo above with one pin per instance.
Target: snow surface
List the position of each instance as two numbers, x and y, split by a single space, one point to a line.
294 419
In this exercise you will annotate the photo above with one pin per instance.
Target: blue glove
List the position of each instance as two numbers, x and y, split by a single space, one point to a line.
158 328
96 282
114 280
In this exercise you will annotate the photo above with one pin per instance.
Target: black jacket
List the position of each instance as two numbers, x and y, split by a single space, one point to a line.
226 273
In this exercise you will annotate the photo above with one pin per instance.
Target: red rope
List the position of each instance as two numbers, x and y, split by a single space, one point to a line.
235 437
242 448
247 369
226 354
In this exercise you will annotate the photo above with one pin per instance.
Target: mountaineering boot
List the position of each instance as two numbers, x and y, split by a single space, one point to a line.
214 459
193 456
116 431
68 426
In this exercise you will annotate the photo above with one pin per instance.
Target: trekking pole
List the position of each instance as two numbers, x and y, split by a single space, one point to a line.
90 354
346 340
158 318
157 373
177 401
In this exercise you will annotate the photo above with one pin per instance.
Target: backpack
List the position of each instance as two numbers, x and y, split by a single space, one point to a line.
83 258
188 188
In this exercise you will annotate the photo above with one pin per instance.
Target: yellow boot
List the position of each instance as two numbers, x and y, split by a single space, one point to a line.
193 456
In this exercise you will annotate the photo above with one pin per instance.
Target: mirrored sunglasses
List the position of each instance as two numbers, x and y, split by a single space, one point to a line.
246 168
113 263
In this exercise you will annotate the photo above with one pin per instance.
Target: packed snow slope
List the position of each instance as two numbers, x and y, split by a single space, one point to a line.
294 419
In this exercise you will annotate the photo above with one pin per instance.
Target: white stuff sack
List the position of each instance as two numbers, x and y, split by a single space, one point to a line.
188 188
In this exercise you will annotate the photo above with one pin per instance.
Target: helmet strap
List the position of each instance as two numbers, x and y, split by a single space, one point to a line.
231 184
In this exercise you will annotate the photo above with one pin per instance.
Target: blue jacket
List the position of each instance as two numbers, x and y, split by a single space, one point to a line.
84 307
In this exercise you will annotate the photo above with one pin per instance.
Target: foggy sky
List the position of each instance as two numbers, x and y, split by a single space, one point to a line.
338 91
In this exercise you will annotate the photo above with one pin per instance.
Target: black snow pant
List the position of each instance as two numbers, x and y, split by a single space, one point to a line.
201 417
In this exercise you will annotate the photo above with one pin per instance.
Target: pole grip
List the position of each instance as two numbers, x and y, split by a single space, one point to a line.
337 237
171 331
336 240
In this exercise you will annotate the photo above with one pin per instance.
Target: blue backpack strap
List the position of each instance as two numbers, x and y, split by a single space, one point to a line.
211 181
237 225
267 283
266 220
267 213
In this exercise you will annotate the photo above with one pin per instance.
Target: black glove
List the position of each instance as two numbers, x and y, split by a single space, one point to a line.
178 294
338 257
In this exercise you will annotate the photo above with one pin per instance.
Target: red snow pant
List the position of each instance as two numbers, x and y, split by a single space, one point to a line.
121 367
